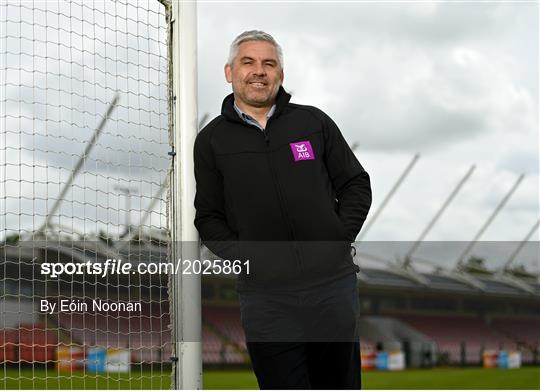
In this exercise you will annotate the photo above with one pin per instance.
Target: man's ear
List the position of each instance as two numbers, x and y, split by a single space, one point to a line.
228 73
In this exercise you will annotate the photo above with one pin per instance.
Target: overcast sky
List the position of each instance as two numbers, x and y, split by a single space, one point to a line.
455 82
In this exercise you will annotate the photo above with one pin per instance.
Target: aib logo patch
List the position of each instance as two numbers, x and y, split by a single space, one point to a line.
302 151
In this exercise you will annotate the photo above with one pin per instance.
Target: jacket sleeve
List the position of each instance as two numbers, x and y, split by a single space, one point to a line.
210 216
350 181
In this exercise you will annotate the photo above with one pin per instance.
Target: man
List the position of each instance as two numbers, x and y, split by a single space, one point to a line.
279 187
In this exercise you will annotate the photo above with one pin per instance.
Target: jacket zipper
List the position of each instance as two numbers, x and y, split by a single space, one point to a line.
281 199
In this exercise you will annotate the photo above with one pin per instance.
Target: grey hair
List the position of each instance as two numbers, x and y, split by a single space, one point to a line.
254 35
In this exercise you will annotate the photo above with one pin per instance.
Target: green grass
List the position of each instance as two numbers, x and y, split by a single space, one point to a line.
455 378
51 379
440 378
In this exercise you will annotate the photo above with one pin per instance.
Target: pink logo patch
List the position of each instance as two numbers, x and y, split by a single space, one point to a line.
302 151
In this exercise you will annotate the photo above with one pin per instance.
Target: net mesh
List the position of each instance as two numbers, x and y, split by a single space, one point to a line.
84 164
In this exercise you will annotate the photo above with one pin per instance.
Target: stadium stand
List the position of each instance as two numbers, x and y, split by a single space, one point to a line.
450 332
526 333
145 333
391 334
8 345
148 337
36 345
225 321
453 314
212 347
29 343
523 330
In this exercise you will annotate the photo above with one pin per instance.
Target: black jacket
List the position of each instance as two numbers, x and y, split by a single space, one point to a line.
290 199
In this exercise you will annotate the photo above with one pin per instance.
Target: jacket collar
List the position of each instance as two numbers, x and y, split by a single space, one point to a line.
227 108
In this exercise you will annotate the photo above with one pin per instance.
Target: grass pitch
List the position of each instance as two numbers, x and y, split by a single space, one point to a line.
439 378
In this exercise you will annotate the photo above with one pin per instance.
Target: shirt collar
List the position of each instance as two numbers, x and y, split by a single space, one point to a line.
228 111
249 119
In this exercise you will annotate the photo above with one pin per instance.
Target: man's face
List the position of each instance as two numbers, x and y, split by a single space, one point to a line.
255 74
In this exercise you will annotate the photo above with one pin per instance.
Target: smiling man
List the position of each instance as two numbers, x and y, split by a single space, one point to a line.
279 188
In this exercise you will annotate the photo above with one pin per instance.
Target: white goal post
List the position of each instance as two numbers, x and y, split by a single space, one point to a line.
186 289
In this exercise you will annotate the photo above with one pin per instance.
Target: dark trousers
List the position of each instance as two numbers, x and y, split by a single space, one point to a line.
306 340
